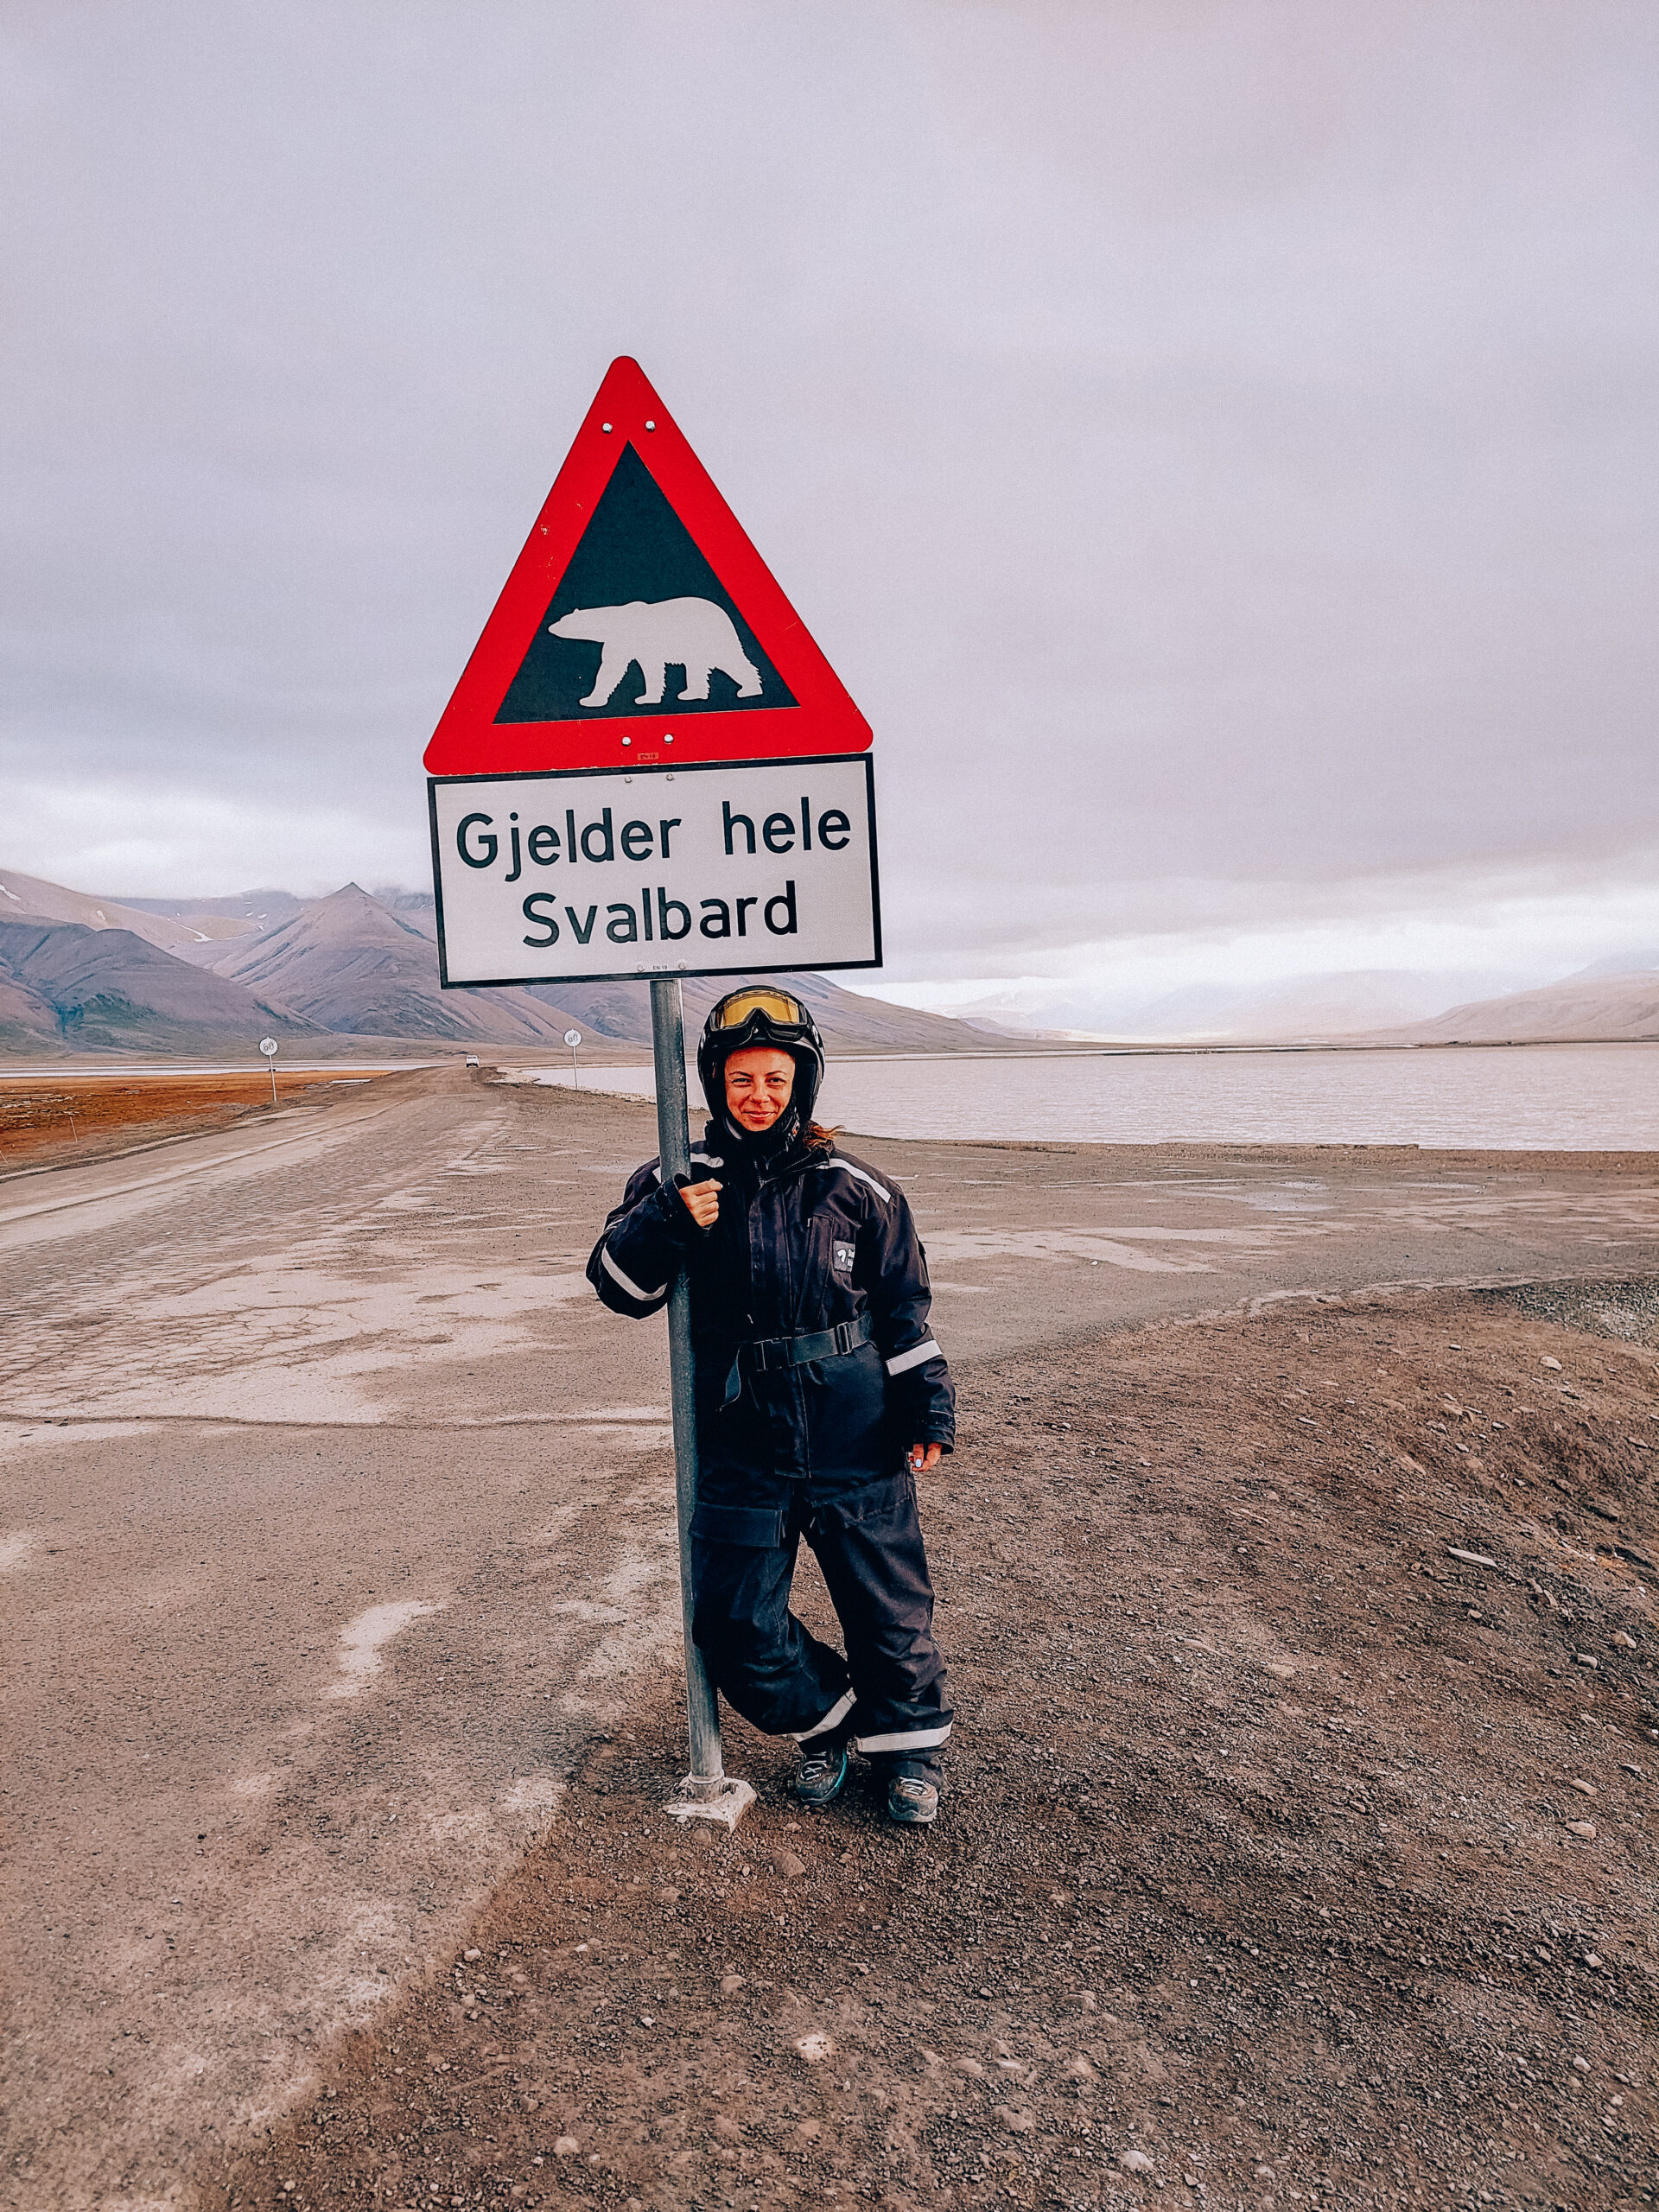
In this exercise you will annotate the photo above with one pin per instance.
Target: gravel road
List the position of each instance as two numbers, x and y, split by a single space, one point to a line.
338 1527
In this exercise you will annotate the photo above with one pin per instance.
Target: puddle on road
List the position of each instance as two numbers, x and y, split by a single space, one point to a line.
1116 1245
282 1341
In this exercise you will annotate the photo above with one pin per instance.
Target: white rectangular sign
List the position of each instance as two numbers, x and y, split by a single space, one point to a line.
588 876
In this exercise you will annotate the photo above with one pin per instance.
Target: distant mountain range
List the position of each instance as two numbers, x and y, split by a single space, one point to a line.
1612 1008
82 974
176 927
347 963
1614 1001
68 987
358 970
1611 1001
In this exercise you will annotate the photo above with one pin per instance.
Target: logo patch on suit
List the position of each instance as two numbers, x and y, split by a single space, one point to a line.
843 1258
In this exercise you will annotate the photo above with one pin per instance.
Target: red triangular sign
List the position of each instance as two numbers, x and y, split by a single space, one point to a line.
639 626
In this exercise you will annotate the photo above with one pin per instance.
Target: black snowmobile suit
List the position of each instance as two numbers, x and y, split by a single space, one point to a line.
815 1372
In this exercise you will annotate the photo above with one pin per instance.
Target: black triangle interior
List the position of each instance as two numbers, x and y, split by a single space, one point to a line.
633 581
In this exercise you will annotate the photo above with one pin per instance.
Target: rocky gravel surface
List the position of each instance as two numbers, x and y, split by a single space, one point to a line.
1627 1312
1300 1847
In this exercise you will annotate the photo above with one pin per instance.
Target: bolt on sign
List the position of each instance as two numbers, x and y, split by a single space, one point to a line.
648 768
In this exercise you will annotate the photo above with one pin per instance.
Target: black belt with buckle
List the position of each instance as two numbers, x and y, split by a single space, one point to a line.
765 1354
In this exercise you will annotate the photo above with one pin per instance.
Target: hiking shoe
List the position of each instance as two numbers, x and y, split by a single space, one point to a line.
913 1802
822 1771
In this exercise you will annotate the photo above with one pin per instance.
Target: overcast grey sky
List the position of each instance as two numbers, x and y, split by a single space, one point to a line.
1214 442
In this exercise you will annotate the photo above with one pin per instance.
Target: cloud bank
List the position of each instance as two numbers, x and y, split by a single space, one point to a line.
1216 446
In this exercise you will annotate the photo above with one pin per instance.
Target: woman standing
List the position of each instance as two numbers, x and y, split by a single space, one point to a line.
821 1396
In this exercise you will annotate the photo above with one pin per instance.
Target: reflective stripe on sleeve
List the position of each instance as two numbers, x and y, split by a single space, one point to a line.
645 1297
905 1739
698 1158
837 1712
903 1361
847 1168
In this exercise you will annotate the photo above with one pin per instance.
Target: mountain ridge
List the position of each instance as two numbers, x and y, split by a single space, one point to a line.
31 897
67 987
1586 1008
83 972
348 963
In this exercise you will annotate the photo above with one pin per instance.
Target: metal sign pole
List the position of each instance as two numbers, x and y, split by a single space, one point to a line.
707 1793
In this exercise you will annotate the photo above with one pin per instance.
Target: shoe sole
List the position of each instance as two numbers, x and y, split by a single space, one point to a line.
914 1820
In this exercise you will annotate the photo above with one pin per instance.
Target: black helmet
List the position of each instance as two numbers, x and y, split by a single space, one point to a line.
760 1014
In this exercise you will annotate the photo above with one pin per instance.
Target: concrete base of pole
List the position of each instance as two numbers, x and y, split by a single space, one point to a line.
724 1800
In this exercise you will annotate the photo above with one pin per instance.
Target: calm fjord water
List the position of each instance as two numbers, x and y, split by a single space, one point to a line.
1533 1097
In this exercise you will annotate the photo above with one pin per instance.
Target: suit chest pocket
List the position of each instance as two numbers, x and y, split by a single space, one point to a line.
833 1246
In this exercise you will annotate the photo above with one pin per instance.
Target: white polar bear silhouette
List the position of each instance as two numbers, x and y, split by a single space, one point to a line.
693 633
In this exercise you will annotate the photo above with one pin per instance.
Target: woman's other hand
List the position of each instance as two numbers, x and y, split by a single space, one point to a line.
701 1203
922 1458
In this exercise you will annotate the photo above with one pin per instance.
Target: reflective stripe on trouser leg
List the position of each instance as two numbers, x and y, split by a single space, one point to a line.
761 1660
906 1740
837 1712
868 1543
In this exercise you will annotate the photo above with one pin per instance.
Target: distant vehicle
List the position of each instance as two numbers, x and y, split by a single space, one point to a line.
472 1059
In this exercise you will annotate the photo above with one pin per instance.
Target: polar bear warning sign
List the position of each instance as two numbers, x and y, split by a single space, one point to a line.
648 770
640 627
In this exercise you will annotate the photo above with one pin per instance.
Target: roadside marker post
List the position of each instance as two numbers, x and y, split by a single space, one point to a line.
648 770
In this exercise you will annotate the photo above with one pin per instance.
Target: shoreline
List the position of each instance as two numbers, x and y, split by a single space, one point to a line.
1576 1098
620 1052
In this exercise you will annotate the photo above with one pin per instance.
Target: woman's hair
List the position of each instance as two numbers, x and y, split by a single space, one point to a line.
816 1138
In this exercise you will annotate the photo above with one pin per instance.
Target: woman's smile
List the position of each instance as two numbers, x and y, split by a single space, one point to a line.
758 1084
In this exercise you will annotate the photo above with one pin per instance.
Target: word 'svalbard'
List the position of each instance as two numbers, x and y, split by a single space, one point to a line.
709 871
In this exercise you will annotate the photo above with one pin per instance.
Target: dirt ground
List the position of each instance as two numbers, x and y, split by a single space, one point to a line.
1300 1845
49 1122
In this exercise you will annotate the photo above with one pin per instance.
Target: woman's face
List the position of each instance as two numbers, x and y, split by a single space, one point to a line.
757 1086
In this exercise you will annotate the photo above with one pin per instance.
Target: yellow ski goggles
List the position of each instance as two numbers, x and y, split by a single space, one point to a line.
776 1007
